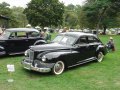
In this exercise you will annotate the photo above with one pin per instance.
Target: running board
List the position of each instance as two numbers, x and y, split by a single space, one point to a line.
16 53
84 61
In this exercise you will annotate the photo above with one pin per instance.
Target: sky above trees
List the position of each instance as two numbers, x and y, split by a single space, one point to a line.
23 3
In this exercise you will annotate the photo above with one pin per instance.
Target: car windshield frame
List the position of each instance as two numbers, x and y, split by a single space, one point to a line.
5 34
65 39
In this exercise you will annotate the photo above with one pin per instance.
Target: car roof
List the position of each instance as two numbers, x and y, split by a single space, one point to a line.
78 34
22 30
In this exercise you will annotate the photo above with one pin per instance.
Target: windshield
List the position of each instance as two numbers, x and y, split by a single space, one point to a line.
67 40
5 34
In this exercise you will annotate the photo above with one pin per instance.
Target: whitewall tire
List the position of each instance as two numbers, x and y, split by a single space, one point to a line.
100 56
58 68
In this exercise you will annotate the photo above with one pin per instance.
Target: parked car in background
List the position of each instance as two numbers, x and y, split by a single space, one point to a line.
17 40
66 50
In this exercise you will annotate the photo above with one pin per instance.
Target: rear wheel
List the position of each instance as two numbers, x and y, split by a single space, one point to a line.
58 68
100 56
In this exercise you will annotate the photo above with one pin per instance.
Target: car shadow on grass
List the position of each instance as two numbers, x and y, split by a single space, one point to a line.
33 74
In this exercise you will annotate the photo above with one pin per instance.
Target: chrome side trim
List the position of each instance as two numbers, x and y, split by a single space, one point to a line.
84 61
16 53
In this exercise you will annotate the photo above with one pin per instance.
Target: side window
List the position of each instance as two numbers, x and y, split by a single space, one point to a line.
82 40
18 35
33 34
21 35
96 40
92 39
13 35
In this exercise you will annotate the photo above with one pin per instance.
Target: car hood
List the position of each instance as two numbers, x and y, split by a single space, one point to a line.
52 46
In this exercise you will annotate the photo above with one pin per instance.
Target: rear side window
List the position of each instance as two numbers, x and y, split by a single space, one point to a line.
82 40
33 34
18 35
92 39
21 35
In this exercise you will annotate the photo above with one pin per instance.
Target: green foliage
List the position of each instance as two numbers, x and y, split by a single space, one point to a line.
15 14
44 12
71 15
4 9
102 13
18 18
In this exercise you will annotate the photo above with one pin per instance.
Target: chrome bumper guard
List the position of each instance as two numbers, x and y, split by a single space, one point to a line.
29 66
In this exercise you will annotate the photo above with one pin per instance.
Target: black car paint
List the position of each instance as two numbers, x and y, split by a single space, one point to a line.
17 45
71 55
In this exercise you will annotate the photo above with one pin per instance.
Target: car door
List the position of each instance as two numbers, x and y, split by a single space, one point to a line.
17 43
33 37
93 44
81 51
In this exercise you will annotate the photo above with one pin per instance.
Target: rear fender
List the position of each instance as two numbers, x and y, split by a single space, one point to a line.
101 48
40 42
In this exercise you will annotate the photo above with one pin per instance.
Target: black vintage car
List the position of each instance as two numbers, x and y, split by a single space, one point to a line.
66 50
17 40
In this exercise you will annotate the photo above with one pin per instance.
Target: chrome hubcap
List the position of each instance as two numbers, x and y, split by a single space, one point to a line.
59 67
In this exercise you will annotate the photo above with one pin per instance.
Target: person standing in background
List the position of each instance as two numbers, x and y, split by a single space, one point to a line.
111 45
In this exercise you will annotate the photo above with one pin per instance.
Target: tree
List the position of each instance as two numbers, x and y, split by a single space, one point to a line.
15 15
71 15
18 16
101 13
6 12
4 9
45 12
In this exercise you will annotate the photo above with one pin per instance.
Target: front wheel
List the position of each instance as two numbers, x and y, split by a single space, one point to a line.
100 56
58 68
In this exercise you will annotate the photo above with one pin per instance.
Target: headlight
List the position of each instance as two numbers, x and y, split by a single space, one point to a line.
44 58
26 53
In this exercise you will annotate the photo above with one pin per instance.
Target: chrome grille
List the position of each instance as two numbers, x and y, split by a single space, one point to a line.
31 55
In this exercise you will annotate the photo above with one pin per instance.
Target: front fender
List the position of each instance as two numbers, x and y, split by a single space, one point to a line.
52 57
56 55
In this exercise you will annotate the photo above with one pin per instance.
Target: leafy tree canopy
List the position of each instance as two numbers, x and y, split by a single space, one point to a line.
45 12
101 13
4 9
15 14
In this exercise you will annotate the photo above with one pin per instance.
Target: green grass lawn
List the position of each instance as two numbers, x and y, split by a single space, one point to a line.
91 76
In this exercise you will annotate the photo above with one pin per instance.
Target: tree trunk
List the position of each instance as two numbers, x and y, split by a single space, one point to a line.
104 30
97 29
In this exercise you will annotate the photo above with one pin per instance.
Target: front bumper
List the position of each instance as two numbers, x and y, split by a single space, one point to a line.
42 68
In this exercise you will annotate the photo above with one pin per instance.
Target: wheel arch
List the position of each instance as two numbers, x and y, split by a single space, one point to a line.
57 56
38 42
101 48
